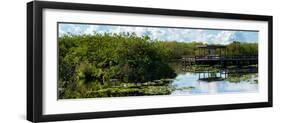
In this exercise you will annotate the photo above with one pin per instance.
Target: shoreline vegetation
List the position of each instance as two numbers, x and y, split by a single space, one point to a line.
114 65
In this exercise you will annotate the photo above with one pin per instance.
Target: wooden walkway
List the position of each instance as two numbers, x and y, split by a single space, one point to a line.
221 60
226 58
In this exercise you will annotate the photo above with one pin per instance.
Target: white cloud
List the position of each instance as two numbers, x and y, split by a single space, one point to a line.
91 29
165 34
223 37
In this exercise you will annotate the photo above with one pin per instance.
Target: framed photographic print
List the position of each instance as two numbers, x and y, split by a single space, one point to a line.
95 61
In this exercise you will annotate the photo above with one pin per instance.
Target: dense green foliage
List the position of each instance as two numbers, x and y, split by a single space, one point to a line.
103 65
181 49
238 48
86 61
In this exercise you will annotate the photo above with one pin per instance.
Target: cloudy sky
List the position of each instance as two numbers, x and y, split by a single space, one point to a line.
165 34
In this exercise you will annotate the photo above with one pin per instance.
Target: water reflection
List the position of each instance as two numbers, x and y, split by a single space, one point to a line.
221 82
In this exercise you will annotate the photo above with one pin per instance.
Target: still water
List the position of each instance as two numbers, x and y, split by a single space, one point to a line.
188 83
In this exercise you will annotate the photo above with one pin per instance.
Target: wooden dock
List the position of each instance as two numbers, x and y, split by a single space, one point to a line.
220 60
217 55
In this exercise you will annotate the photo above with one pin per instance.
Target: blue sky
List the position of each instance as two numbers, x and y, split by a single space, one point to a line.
165 34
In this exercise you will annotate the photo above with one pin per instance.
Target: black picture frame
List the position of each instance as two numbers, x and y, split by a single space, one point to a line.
34 60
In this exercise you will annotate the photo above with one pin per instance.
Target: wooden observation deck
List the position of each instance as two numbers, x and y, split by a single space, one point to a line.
217 55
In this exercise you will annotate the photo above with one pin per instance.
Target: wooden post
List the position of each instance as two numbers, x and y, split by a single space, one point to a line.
225 74
204 75
204 52
199 52
220 58
220 52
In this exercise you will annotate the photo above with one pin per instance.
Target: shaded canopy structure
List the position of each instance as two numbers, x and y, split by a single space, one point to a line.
212 50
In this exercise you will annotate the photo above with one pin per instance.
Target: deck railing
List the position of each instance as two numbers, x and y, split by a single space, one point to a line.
238 57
